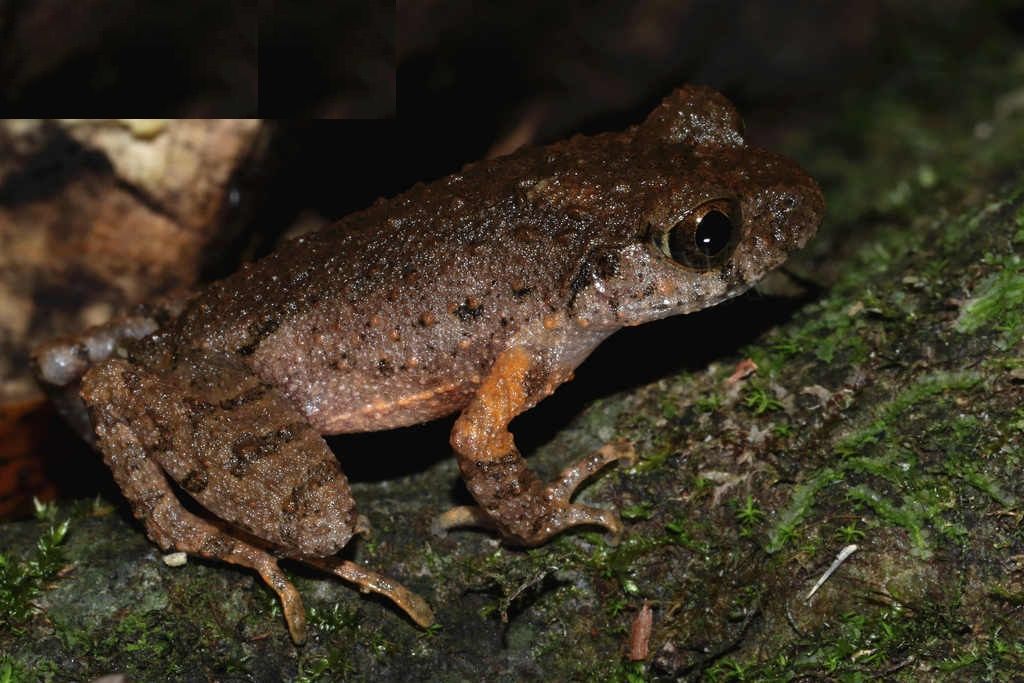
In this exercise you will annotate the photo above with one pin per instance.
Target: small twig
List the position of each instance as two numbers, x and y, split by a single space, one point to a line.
530 583
899 665
792 623
840 558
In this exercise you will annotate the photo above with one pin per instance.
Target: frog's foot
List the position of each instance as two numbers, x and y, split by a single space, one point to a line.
540 512
553 518
371 582
63 361
197 537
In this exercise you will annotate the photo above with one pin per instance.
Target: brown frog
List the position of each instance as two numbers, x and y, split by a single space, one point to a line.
478 294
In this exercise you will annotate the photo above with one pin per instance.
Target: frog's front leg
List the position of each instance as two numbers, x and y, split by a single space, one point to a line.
244 453
512 498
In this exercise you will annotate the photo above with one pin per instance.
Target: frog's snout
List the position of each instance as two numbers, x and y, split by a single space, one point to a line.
806 209
788 209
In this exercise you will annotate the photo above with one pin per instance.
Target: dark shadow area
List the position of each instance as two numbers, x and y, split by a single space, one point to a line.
545 65
376 456
639 355
106 58
73 468
47 171
327 59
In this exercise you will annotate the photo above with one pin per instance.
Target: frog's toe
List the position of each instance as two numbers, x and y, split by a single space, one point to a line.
362 527
418 610
371 582
584 515
291 603
563 488
563 517
459 517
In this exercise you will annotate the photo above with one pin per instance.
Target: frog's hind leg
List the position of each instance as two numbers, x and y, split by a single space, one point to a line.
242 451
167 522
511 498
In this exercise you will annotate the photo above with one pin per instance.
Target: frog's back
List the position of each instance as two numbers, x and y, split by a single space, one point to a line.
392 315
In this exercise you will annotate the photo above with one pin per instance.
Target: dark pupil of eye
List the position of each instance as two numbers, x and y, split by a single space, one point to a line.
713 233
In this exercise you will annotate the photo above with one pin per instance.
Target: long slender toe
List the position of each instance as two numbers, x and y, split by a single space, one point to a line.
460 517
571 477
291 602
371 582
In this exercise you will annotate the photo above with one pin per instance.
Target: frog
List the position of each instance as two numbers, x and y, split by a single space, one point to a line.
477 295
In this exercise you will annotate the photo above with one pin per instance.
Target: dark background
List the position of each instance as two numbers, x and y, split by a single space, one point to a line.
475 81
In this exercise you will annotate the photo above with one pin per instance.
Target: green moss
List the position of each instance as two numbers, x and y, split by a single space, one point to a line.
669 407
799 506
1017 422
636 512
911 515
729 669
873 452
1007 595
969 472
11 671
337 617
993 660
142 641
617 561
651 460
681 533
748 515
21 581
879 644
849 533
927 388
332 667
759 399
997 303
829 333
708 403
860 440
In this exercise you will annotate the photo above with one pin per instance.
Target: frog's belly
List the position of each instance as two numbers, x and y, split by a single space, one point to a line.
351 408
337 402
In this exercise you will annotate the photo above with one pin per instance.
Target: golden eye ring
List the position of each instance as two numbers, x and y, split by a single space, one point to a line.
705 237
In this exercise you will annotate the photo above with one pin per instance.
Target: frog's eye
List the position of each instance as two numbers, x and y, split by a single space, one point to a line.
704 238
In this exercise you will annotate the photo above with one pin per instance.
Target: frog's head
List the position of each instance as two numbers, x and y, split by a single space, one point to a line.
715 215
